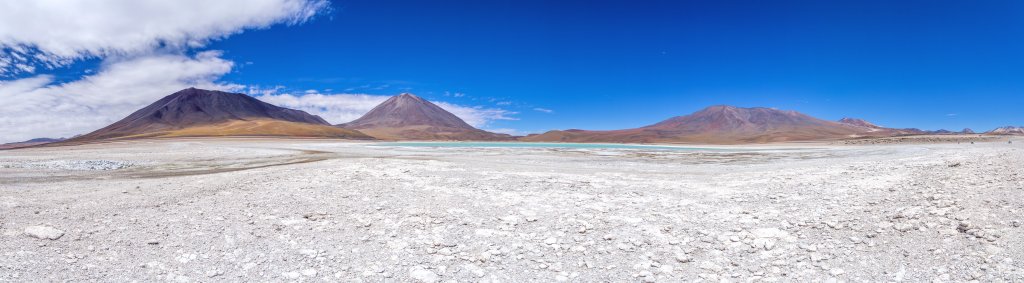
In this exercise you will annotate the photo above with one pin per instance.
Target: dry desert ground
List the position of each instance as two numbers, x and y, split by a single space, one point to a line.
319 210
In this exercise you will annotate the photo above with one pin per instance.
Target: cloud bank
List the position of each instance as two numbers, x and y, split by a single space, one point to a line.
54 33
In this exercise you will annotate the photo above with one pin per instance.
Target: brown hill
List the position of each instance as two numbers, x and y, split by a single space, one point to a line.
197 112
720 125
873 130
29 143
859 123
409 117
1007 131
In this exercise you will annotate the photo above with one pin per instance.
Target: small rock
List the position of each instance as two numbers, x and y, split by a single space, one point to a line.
309 272
419 274
903 227
964 226
291 275
43 232
682 258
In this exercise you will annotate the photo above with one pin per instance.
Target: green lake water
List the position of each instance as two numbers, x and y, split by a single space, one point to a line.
537 145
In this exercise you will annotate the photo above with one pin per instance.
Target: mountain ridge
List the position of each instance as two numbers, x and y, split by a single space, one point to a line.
1007 131
720 124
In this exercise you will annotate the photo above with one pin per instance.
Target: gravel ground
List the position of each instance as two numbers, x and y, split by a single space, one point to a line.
288 210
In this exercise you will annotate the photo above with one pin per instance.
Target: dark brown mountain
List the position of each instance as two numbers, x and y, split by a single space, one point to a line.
198 112
721 125
409 117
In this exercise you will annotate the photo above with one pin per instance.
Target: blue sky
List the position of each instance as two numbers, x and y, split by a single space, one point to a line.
620 64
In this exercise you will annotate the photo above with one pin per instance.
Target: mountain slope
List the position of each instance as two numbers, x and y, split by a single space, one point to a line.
1009 130
720 125
874 130
216 113
409 117
859 123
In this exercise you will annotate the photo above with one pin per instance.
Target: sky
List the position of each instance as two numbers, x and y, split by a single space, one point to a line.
70 67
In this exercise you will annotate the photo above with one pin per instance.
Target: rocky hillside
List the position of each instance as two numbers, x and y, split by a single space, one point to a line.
1010 130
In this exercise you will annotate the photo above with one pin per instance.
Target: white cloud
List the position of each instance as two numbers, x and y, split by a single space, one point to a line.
54 33
335 108
38 107
344 107
545 110
507 131
477 116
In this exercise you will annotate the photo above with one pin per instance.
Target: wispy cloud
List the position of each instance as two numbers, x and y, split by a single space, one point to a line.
545 110
454 94
508 131
478 116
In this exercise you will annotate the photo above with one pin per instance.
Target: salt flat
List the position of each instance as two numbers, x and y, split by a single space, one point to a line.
320 210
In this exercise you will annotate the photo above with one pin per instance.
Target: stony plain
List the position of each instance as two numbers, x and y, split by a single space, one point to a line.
243 209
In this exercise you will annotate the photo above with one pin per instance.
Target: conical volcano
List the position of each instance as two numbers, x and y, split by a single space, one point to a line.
198 112
409 117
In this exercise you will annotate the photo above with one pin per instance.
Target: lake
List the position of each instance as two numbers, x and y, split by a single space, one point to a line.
537 145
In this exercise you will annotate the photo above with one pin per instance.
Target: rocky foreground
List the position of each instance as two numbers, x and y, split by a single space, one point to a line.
243 210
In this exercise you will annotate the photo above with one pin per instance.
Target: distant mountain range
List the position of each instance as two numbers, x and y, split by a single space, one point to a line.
31 142
409 117
201 113
883 131
196 113
727 125
735 125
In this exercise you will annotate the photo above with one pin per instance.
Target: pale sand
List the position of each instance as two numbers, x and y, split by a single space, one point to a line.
311 210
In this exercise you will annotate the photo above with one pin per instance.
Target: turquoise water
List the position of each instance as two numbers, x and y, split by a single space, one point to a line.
538 145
